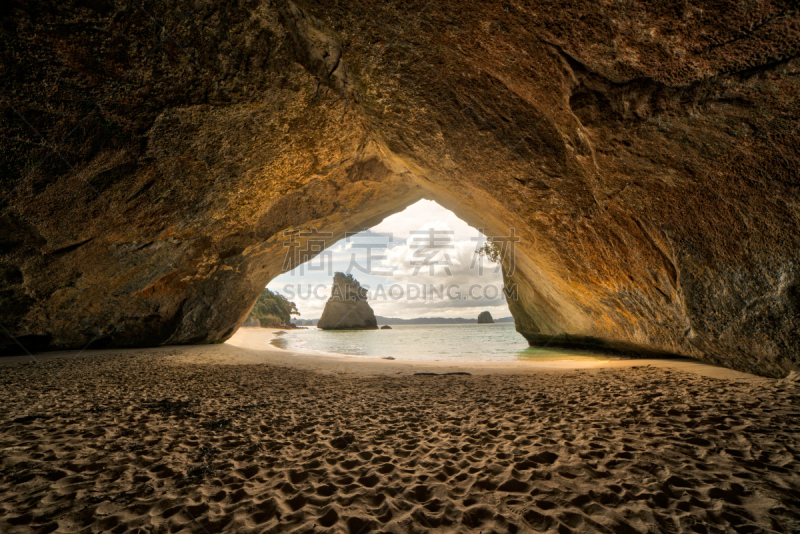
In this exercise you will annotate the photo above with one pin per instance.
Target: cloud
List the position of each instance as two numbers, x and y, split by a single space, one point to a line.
421 216
402 266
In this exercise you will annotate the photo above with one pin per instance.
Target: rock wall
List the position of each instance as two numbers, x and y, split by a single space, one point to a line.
156 159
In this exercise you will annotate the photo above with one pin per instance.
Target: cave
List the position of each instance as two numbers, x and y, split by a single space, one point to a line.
149 182
159 159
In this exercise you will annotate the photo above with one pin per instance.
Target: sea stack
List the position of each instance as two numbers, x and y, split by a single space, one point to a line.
485 318
347 309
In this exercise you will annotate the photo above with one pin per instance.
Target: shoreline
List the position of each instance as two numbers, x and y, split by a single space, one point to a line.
260 339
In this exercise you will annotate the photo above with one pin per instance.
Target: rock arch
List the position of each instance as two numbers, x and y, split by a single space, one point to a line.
148 186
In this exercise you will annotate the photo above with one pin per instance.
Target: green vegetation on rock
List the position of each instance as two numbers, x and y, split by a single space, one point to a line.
273 309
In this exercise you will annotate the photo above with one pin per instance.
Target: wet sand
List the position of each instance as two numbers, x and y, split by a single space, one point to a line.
225 438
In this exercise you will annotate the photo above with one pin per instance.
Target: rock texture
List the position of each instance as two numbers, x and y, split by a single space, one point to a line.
157 159
485 318
347 309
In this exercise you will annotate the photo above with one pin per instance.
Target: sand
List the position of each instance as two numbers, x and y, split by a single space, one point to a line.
225 438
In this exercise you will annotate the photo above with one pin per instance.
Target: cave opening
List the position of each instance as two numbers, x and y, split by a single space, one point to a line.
432 279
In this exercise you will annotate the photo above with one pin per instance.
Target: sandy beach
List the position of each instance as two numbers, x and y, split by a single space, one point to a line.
243 437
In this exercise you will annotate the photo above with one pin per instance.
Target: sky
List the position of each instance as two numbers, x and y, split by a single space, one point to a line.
420 262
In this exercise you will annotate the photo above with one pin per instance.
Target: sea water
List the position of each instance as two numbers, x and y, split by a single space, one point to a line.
447 342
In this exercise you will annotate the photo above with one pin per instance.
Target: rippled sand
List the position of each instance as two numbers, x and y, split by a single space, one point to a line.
152 441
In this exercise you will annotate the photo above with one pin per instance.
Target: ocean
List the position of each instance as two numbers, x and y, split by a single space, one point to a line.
452 342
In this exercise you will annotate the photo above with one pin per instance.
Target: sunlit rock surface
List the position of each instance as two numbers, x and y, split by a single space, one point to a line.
347 309
161 162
